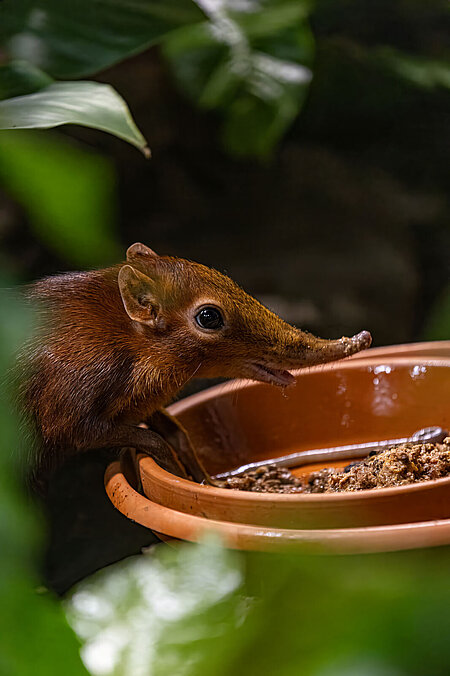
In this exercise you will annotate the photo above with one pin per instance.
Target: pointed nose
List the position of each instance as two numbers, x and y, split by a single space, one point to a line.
360 341
364 339
328 350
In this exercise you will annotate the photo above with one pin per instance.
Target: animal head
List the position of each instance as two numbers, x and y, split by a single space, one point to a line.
206 323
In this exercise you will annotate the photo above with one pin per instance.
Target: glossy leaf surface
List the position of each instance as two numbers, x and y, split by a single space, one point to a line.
77 38
91 104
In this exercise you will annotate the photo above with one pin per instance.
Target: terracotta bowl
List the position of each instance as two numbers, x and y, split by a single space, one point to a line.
178 525
348 402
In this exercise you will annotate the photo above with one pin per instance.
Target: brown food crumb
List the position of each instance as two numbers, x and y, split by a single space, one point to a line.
266 479
395 466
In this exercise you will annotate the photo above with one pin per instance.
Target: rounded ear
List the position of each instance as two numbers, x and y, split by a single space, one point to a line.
138 250
138 295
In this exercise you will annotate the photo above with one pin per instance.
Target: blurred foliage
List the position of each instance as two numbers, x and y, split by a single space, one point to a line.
168 612
74 39
200 609
18 78
438 323
34 637
248 60
69 197
423 72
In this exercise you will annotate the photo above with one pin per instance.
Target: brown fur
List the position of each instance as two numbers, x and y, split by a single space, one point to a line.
115 345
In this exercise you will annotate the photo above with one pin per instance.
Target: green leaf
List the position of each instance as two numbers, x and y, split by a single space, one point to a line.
91 104
75 38
252 64
67 193
272 17
199 610
438 323
35 639
250 61
19 77
254 127
146 614
421 71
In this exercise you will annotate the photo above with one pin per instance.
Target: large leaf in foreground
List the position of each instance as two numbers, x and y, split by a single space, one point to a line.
201 611
75 38
91 104
166 614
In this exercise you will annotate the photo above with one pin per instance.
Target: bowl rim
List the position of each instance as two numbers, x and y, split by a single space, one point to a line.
150 467
191 487
247 536
408 349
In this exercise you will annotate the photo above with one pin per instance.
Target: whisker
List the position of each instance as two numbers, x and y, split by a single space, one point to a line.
183 383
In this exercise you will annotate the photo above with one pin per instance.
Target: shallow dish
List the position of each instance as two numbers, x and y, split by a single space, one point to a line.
250 537
345 403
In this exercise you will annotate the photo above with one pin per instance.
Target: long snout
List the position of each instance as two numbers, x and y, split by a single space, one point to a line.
303 349
320 351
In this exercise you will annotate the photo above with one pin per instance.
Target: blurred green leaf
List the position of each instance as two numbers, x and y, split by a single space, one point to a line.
250 62
270 17
67 193
201 610
419 70
163 613
19 77
438 324
73 39
91 104
35 639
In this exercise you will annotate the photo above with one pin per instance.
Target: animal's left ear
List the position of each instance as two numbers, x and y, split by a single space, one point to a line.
138 250
138 295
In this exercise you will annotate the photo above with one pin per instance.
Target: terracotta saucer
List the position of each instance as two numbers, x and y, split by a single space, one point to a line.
249 537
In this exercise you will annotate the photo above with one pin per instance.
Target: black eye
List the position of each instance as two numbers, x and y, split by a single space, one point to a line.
209 318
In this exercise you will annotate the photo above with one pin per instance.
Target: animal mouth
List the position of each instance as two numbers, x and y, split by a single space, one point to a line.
266 374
